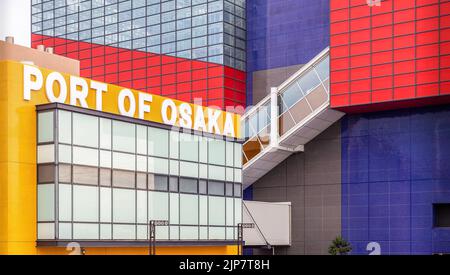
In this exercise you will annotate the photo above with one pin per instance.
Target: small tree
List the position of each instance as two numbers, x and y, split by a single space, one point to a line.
339 246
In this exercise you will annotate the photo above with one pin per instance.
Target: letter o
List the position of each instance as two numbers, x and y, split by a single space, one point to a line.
173 118
124 94
51 78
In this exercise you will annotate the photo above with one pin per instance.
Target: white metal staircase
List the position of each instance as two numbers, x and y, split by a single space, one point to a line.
289 117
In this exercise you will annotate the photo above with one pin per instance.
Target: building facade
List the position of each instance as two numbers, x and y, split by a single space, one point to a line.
350 126
184 49
377 176
90 164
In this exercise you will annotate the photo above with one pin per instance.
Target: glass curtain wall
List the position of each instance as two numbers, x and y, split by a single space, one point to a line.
105 179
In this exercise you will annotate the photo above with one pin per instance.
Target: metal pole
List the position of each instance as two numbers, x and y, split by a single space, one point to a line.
240 239
152 238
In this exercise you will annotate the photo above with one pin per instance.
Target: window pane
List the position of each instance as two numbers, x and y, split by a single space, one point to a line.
46 173
105 204
237 211
141 163
216 233
141 143
216 188
85 203
124 161
65 202
65 231
46 231
188 185
45 127
188 232
141 181
85 175
85 130
65 126
216 210
238 155
216 151
85 231
216 172
124 136
174 167
188 169
158 166
105 159
229 151
203 150
188 147
229 189
46 153
158 142
203 207
202 186
188 209
158 203
123 179
173 184
174 209
85 156
157 182
105 231
46 202
105 133
229 215
237 190
65 153
65 173
238 175
174 143
124 205
105 177
123 232
141 207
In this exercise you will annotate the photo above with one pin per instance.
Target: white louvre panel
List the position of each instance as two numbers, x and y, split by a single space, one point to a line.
272 223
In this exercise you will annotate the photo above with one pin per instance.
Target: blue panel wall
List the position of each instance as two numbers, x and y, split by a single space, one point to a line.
395 165
282 33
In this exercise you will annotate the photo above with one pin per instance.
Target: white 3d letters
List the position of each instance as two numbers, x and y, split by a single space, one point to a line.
28 83
51 79
123 95
173 112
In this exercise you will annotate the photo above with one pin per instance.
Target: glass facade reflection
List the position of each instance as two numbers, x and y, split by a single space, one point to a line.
104 179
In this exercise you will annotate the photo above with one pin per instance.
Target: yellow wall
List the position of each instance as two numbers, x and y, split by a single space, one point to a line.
18 174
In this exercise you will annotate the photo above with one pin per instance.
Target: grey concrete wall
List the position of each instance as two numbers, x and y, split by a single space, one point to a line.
312 182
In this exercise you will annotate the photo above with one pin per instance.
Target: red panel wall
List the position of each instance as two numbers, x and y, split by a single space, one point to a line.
179 78
389 56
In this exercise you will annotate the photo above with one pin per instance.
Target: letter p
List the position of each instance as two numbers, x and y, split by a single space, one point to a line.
32 80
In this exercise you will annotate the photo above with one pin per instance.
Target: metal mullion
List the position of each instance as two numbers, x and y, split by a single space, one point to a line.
111 179
98 178
71 171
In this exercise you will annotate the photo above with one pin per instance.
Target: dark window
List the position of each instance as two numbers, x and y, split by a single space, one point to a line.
156 182
216 188
229 189
202 186
188 185
173 184
237 190
442 215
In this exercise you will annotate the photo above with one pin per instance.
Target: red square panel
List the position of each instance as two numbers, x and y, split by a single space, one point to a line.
404 93
427 90
382 95
360 98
